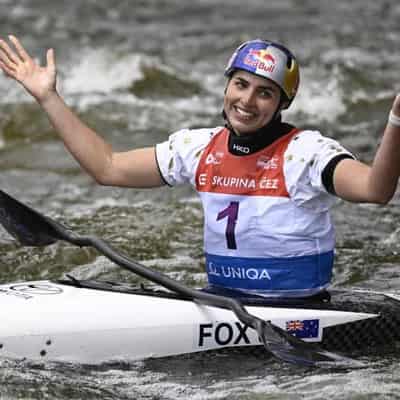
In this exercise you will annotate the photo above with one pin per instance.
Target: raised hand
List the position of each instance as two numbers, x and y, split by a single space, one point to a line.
17 64
396 105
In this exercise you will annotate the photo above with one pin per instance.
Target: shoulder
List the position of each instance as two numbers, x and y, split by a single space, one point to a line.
185 141
305 138
313 147
306 157
200 134
179 155
309 141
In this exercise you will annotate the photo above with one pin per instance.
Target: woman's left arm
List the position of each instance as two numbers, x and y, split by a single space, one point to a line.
358 182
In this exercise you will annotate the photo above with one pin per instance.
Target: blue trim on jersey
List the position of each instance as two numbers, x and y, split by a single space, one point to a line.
269 274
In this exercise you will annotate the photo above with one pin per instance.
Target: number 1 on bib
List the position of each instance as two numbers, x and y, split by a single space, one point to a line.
231 212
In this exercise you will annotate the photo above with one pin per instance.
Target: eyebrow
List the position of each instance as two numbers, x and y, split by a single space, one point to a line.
268 87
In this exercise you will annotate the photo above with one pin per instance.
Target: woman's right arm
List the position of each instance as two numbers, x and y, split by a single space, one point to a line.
135 168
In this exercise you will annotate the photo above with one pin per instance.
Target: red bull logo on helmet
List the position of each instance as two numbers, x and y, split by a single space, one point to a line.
260 59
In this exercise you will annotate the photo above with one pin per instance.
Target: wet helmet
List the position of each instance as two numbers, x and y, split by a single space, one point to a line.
268 60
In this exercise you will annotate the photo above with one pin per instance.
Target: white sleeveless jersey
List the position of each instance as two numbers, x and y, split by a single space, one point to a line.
267 228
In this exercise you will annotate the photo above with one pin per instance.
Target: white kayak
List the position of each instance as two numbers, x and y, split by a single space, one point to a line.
92 322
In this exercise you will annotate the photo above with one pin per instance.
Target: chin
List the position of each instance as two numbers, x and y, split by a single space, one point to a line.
241 129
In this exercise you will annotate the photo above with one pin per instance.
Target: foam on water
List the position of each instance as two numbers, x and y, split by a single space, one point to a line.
102 70
320 98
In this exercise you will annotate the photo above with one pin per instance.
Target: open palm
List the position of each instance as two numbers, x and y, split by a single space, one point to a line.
39 81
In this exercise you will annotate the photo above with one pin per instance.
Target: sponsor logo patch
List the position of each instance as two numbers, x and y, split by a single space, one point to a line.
260 59
214 159
28 291
241 149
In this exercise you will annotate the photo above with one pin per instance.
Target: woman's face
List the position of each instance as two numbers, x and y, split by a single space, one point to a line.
250 102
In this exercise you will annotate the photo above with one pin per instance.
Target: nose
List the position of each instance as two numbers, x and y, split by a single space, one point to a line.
248 97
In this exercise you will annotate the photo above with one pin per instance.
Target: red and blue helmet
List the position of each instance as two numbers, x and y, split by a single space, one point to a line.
268 60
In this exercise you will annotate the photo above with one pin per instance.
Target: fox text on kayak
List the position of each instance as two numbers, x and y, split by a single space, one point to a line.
225 334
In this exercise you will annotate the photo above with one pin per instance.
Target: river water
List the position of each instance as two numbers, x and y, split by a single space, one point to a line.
138 70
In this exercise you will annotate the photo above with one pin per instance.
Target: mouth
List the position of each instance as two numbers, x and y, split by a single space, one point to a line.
244 114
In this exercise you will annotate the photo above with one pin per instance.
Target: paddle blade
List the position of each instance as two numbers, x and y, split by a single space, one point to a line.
28 226
293 350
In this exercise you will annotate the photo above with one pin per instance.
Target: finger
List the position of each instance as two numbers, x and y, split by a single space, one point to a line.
10 53
396 105
5 59
51 59
396 99
7 70
20 49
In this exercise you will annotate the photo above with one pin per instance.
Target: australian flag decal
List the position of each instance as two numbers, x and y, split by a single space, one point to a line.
305 329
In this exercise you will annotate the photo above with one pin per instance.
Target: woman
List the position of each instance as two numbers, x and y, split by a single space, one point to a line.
266 186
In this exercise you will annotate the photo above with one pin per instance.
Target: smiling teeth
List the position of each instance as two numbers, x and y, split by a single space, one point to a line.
244 113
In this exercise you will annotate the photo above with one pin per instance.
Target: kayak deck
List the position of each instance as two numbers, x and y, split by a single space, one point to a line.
352 337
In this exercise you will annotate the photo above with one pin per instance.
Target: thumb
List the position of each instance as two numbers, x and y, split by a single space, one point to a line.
51 60
396 105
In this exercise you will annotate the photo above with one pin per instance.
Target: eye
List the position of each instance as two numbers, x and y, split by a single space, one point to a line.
240 84
266 93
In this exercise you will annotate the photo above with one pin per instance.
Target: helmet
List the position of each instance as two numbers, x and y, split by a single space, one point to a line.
268 60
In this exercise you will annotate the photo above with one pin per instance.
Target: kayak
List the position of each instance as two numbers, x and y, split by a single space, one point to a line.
93 322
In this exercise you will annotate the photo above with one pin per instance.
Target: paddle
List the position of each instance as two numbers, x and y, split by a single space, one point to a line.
34 229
